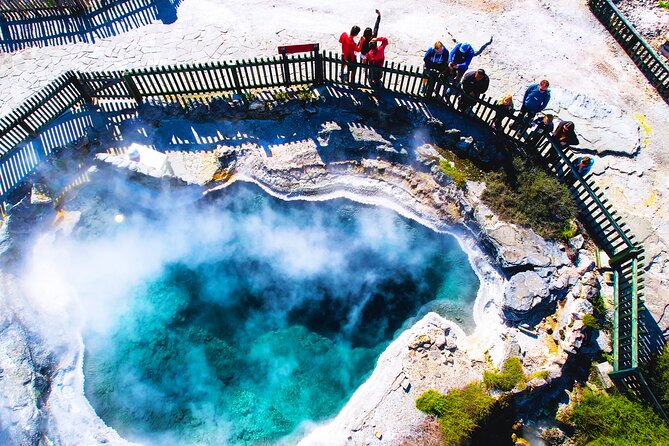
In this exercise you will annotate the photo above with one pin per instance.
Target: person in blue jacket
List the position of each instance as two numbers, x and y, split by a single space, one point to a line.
436 61
535 100
459 59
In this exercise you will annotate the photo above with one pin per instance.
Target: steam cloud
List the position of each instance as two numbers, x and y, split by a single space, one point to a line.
240 319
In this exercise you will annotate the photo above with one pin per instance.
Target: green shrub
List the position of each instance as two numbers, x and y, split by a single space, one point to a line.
569 231
459 412
663 4
432 402
589 321
539 201
281 96
511 376
541 374
248 96
602 419
661 373
305 96
459 177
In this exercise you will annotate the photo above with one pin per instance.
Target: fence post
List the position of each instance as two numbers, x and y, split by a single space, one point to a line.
318 68
132 87
235 77
286 70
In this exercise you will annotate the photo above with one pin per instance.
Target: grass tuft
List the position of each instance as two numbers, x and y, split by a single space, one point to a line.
459 412
509 378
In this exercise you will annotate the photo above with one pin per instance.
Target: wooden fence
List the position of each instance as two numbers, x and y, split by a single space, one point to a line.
15 9
19 131
634 45
77 21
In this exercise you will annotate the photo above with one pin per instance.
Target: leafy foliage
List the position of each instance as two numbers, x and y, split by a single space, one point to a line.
305 96
602 419
459 412
281 96
511 376
662 373
538 200
458 176
540 374
589 321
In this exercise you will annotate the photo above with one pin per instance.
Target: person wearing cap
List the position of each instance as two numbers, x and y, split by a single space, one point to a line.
474 84
459 59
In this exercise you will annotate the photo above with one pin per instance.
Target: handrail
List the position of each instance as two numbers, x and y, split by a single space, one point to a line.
172 81
657 75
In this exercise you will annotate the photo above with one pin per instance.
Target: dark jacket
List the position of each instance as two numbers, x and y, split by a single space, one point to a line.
565 137
474 87
536 100
461 59
364 43
435 61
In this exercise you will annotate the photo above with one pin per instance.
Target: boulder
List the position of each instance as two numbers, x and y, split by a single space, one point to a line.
524 292
518 247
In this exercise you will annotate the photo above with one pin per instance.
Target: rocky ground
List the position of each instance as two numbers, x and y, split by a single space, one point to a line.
370 164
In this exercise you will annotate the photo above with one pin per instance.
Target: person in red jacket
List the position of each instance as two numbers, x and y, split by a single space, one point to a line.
348 50
376 58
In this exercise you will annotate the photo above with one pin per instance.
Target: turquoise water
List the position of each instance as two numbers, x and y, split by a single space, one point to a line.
275 324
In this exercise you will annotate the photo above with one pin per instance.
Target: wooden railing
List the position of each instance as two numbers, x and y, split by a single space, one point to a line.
634 45
21 129
75 20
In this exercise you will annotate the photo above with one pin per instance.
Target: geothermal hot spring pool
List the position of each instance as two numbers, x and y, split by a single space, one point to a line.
261 316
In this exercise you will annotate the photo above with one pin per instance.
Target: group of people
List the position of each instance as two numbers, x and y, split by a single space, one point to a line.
452 67
371 48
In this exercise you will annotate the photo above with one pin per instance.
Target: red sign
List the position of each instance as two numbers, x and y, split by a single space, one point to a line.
302 48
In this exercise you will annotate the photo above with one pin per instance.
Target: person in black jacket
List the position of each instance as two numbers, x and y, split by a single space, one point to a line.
565 135
474 84
367 35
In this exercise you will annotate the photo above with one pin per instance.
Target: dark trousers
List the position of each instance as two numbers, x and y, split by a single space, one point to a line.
466 100
525 116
